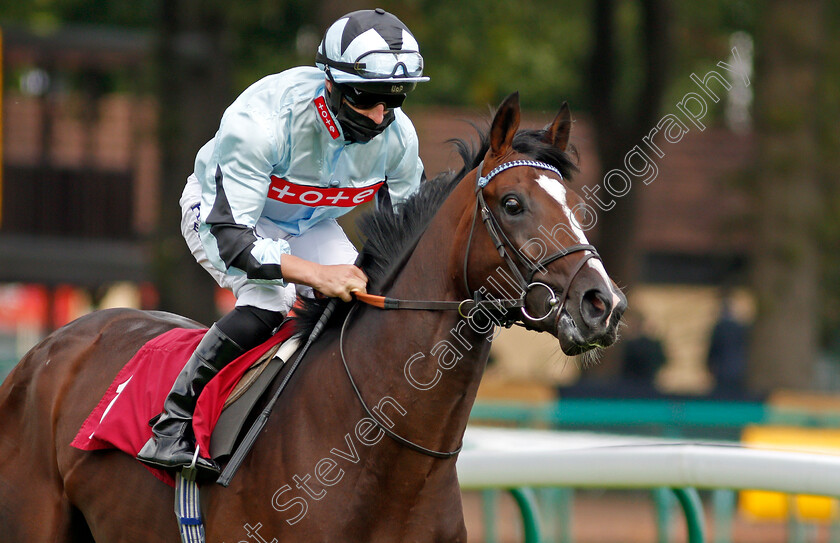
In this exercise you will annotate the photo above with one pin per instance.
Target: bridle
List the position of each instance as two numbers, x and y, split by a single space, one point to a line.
505 248
500 240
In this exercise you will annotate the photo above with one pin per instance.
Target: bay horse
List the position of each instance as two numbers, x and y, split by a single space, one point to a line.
362 444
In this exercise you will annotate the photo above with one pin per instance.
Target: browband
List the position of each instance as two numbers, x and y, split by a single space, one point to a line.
484 179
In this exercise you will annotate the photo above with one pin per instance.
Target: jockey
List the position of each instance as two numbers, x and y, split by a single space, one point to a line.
293 152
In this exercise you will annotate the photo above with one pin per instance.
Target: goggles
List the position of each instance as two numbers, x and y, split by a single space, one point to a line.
388 64
380 64
363 99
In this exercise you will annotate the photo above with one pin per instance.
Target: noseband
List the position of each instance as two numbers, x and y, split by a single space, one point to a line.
494 305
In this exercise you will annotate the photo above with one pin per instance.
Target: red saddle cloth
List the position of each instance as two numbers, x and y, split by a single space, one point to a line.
121 419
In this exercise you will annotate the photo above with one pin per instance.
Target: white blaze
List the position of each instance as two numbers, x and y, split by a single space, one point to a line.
557 190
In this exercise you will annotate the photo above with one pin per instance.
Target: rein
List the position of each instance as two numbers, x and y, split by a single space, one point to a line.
504 247
385 428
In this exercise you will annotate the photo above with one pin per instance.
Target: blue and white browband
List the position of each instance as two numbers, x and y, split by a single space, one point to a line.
484 179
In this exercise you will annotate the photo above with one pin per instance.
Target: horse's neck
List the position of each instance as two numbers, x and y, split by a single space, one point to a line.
417 372
434 359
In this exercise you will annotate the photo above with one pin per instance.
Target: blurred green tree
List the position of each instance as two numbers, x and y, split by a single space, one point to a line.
624 109
829 151
477 52
789 202
193 86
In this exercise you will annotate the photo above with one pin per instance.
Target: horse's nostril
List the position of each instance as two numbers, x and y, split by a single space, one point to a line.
594 307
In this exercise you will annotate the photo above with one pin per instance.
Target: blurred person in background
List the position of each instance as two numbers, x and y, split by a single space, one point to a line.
643 357
727 356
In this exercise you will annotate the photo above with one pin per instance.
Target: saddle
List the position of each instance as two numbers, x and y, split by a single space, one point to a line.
245 396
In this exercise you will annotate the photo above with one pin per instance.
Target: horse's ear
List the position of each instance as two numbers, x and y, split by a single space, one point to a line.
558 133
505 124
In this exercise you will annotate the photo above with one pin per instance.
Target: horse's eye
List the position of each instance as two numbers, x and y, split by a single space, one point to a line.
512 206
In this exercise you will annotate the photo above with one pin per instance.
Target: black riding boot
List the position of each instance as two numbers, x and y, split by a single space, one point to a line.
173 443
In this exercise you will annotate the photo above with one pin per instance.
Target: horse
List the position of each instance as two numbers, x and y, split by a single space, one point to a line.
363 442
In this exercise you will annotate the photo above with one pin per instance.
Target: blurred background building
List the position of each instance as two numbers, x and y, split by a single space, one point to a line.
105 104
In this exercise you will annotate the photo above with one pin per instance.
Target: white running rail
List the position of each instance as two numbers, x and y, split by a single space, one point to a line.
502 458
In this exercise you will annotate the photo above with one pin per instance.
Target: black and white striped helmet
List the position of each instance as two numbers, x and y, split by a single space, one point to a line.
371 49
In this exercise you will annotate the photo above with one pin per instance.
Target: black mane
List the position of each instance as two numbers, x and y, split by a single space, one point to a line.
390 236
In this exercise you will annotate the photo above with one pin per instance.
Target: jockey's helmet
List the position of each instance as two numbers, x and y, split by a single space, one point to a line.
371 51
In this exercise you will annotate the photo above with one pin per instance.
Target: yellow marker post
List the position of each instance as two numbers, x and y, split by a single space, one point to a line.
765 505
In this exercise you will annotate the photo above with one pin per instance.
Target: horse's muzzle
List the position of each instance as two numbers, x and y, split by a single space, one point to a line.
592 323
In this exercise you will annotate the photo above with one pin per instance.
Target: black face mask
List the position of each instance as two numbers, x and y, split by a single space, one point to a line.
360 128
357 128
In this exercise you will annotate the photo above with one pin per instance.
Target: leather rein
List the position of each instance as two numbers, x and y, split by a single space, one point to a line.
464 307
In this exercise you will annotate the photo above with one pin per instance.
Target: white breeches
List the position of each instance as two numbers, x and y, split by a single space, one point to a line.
324 243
